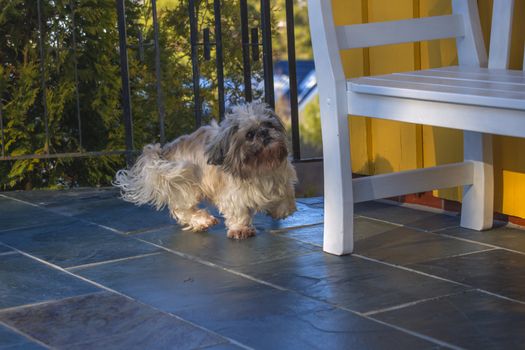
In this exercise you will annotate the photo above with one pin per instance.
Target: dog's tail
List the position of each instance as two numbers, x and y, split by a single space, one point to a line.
157 181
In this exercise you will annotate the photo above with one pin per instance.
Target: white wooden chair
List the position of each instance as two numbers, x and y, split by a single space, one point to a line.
480 101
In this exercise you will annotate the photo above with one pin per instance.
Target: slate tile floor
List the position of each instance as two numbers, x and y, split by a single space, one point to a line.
84 270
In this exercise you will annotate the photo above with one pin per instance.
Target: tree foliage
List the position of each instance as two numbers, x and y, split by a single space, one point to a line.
90 48
303 44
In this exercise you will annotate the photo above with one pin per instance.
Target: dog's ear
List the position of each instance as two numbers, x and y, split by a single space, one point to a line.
217 149
276 120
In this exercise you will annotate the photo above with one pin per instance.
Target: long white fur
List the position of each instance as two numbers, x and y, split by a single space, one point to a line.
157 181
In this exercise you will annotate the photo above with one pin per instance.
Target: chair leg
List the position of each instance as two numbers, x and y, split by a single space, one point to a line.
478 198
338 217
338 202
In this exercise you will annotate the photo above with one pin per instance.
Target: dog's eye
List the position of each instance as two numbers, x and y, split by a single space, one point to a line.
250 135
268 125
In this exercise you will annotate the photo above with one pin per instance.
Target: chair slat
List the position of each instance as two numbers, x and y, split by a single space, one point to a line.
431 92
471 47
412 181
500 121
467 83
396 32
473 76
500 34
491 72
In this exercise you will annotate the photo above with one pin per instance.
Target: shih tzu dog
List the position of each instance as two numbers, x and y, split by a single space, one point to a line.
240 165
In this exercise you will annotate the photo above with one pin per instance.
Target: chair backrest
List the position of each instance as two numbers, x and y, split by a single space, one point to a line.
328 40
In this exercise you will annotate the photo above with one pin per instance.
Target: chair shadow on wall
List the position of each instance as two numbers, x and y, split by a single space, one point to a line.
378 162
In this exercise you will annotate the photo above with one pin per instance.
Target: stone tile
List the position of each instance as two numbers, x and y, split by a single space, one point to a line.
364 228
170 282
106 321
26 281
497 271
390 243
117 214
52 198
308 234
471 320
422 220
11 340
224 346
102 206
305 215
15 214
311 200
214 246
74 243
317 205
4 249
293 322
241 309
403 245
349 281
501 236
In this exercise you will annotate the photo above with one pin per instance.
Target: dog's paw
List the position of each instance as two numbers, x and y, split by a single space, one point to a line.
241 233
201 221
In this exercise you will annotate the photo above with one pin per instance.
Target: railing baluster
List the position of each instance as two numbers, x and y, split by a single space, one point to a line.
75 61
2 127
124 74
292 70
246 65
267 53
195 64
255 44
43 73
219 56
141 45
206 43
158 73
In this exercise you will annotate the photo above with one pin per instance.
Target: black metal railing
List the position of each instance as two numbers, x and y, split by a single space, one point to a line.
250 54
124 74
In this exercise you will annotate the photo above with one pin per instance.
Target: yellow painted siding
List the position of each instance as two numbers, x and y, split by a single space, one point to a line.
394 145
509 158
345 13
380 146
440 145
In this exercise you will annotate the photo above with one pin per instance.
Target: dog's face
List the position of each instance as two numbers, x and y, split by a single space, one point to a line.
251 142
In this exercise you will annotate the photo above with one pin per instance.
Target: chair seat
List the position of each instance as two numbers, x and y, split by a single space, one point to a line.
463 85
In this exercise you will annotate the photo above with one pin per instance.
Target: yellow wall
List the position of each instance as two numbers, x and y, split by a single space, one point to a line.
380 146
